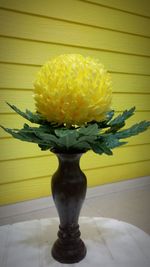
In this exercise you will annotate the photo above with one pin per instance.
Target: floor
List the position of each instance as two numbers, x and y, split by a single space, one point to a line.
132 206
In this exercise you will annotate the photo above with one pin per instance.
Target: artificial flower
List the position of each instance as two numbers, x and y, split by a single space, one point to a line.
73 90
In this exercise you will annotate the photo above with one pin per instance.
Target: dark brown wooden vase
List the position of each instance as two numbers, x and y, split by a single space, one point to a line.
68 189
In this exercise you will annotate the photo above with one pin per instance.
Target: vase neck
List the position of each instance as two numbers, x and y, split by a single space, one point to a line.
69 157
69 162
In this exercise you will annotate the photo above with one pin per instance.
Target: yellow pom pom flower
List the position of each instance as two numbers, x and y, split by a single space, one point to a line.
73 90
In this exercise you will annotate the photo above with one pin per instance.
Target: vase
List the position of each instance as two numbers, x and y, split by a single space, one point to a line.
68 186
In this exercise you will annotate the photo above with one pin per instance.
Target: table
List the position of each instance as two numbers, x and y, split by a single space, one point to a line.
110 243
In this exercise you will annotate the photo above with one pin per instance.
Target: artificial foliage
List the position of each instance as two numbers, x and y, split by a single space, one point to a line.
101 137
73 98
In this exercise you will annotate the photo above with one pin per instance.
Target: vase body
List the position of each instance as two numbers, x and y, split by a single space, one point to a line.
68 190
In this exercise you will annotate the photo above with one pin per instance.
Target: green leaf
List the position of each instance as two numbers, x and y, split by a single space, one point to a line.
82 146
89 139
109 115
105 143
40 129
104 124
72 139
119 122
32 117
45 147
64 132
46 138
100 148
133 130
115 128
122 117
68 140
112 141
97 148
47 128
23 135
106 149
89 130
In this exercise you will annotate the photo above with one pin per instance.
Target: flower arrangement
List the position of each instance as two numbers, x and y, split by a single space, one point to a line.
73 109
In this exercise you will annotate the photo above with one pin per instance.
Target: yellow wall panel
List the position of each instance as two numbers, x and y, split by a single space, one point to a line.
131 83
17 77
25 190
72 10
12 121
123 101
48 30
118 173
134 6
12 148
35 188
33 31
29 52
24 169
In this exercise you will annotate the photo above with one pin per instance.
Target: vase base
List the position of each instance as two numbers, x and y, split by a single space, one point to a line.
69 253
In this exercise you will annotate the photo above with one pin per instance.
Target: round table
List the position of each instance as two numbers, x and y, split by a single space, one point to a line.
109 242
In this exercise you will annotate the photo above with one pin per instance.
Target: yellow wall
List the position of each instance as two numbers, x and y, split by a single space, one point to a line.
32 31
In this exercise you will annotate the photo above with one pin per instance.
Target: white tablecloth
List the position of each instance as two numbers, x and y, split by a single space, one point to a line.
110 243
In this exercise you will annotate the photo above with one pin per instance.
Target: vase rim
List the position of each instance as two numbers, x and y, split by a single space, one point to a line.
67 152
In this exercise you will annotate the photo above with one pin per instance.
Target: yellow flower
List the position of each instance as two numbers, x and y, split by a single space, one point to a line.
73 89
